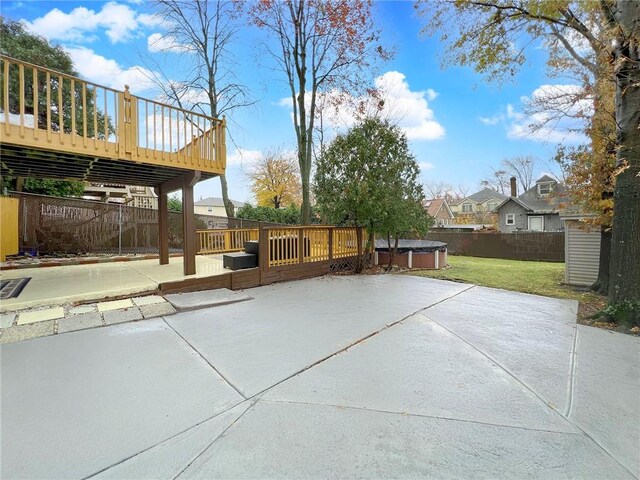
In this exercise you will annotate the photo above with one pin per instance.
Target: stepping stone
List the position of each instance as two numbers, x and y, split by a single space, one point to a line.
157 309
79 322
26 332
121 316
114 305
40 315
207 298
148 300
6 319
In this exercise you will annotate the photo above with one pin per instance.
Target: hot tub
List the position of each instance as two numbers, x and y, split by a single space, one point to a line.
413 254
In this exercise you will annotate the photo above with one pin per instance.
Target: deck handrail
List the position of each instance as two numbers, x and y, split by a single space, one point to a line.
73 115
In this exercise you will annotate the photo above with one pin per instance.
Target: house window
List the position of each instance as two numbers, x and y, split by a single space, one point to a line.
467 207
209 209
511 218
491 206
536 224
544 189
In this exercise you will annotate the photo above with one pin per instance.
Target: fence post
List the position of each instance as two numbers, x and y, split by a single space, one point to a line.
330 243
300 245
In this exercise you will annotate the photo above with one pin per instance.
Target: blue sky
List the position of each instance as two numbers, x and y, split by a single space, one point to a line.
458 125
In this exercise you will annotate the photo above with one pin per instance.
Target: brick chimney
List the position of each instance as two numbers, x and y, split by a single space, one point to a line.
514 188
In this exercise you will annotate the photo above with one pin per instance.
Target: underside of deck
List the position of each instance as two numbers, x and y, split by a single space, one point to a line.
19 161
54 125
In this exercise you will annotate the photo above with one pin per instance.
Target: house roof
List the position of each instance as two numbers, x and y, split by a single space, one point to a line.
534 203
484 195
216 202
545 179
433 206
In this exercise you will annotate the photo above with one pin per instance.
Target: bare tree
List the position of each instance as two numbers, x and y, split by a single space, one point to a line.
202 32
498 180
522 168
320 45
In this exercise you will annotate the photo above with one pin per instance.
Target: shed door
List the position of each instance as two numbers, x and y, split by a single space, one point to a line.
536 224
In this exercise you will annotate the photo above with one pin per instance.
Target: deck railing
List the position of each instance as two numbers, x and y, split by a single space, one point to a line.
310 244
42 108
222 241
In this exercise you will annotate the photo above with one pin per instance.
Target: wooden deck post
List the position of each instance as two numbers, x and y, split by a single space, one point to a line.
263 253
189 230
330 243
300 245
163 225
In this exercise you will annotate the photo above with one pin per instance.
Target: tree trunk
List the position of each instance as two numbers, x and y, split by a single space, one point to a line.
601 284
228 204
624 279
392 251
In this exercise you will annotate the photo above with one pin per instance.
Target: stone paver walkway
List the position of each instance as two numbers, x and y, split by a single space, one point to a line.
337 377
40 322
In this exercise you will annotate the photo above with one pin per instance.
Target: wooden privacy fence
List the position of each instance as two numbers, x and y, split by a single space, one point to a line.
221 241
540 246
302 252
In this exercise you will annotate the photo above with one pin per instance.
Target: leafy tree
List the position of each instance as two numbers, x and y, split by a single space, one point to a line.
320 46
174 204
16 42
201 32
369 178
484 35
276 181
288 216
45 186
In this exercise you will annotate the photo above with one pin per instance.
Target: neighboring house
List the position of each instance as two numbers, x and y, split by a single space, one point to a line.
486 200
439 209
581 250
536 210
131 195
214 206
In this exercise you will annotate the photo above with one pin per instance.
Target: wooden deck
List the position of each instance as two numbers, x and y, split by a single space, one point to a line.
58 126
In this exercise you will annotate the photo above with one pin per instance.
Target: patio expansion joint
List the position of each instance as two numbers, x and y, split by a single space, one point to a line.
253 402
530 389
358 341
237 390
423 415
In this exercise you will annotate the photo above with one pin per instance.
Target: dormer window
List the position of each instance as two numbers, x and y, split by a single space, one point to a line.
467 207
544 189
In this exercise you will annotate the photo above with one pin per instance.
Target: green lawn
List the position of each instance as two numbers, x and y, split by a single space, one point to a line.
540 278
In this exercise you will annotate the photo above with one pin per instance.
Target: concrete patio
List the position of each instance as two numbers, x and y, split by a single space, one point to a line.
362 376
80 283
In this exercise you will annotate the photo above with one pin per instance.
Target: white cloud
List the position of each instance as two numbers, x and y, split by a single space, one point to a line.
552 113
244 157
119 22
424 166
159 43
406 108
431 94
104 71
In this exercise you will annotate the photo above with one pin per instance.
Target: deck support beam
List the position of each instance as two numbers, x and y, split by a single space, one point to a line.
189 248
163 225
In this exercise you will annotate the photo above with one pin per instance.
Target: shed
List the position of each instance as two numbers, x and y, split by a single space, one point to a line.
582 251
